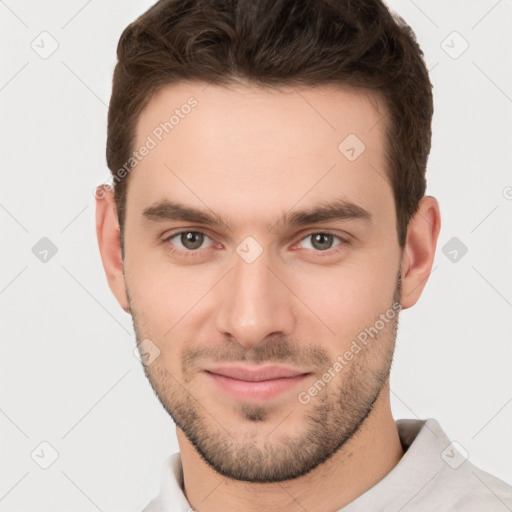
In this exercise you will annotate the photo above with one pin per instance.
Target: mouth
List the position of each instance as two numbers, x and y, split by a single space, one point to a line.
255 384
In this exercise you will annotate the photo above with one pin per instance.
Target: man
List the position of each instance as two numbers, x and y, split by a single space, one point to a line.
268 221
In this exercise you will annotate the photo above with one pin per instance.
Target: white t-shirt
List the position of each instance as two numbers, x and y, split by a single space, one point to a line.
432 476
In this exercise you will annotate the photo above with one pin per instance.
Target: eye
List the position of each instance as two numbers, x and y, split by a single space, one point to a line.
192 241
188 240
321 241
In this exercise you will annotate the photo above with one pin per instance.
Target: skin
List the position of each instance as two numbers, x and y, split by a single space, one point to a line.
250 155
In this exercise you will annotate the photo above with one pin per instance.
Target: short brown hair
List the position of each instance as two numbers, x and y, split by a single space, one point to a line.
356 44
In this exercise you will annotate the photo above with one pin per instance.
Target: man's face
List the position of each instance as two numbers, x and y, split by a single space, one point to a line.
264 283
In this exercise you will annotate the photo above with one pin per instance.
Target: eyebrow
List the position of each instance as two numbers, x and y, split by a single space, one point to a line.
337 209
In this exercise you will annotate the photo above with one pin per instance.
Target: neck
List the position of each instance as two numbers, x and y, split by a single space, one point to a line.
357 466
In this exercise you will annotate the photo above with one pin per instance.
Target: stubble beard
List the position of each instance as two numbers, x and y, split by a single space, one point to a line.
328 421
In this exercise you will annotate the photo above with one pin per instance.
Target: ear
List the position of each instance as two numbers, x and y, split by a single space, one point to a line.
109 241
419 250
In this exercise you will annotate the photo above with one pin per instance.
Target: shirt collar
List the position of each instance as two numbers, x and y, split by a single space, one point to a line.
422 440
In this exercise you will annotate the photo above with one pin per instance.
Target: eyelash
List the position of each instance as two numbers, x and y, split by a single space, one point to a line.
197 252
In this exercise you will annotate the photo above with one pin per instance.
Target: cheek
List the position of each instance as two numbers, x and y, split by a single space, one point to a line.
342 301
160 295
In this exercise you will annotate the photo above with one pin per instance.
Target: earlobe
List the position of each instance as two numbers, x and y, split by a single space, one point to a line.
419 250
109 242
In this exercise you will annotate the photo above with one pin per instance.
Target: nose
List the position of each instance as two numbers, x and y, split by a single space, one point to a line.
253 303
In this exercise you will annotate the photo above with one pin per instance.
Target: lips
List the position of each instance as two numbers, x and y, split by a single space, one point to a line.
256 374
255 384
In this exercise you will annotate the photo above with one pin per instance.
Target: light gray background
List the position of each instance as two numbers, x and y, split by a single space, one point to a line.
67 369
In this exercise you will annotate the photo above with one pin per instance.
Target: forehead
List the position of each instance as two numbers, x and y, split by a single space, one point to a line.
313 113
264 146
